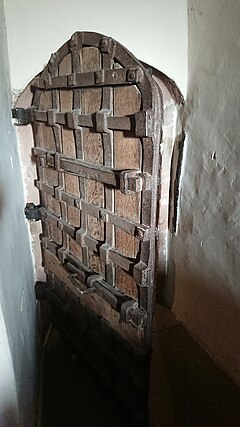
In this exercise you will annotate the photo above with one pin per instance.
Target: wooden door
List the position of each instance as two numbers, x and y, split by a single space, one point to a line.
96 118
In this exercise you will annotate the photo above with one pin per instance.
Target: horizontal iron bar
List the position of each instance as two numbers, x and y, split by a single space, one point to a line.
82 279
84 239
72 119
120 76
125 180
140 231
131 227
86 170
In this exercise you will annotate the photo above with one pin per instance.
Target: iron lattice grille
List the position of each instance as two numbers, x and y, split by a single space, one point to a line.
96 118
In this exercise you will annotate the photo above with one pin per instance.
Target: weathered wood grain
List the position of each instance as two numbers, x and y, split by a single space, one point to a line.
69 149
94 221
126 283
46 131
127 154
51 177
93 152
66 104
98 240
94 302
75 249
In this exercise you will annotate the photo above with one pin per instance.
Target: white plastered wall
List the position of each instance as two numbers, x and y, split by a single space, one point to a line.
206 249
17 302
155 31
9 413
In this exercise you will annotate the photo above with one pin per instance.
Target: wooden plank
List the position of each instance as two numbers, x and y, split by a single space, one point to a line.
75 249
74 216
52 205
95 263
93 152
51 177
123 239
47 136
68 148
127 155
44 137
127 284
72 185
66 104
108 147
71 182
56 234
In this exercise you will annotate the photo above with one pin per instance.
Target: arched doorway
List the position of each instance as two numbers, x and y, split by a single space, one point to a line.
104 131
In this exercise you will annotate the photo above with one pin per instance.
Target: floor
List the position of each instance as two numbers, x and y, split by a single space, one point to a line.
187 388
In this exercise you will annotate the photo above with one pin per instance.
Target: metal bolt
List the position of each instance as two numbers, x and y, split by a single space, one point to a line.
103 216
52 58
103 43
73 40
77 203
131 75
139 233
42 161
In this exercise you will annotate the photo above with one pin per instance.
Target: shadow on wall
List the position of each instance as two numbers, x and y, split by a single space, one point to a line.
8 416
198 289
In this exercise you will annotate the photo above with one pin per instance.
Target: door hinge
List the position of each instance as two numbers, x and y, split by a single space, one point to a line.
32 212
43 290
23 116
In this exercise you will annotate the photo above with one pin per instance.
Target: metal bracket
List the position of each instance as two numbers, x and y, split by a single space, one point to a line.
132 313
101 121
32 212
107 45
23 116
131 180
43 290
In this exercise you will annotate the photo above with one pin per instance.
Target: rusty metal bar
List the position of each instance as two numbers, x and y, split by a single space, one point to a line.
126 180
121 76
73 119
78 102
141 232
84 280
97 172
108 145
